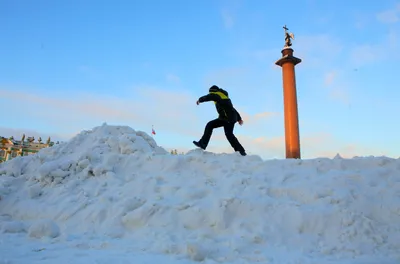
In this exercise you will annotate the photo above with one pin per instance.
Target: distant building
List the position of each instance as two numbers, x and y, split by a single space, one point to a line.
175 152
10 148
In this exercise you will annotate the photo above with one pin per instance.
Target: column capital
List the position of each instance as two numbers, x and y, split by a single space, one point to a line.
287 56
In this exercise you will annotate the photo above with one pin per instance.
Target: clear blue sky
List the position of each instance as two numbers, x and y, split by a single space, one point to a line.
68 66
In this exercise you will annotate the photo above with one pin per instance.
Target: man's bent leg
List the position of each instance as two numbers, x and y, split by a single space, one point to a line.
208 131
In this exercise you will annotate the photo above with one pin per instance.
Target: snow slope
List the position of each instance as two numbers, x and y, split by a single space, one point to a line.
112 194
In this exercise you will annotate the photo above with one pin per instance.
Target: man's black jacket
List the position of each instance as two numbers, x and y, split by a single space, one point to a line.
223 104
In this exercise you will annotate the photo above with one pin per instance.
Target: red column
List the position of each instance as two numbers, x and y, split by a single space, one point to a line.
292 135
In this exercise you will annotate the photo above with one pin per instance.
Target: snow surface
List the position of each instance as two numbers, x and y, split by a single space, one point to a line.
112 195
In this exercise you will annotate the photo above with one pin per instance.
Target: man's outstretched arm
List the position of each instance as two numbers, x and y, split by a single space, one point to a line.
208 97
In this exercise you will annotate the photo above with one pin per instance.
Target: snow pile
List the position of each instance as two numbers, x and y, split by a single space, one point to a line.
115 184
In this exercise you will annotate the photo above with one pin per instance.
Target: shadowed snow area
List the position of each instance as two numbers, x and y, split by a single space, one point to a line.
112 194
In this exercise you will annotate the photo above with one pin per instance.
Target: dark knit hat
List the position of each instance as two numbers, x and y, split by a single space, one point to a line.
214 88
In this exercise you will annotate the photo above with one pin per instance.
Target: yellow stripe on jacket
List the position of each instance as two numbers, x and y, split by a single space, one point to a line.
223 97
220 94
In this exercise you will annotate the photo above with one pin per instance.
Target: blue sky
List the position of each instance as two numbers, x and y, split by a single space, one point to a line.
68 66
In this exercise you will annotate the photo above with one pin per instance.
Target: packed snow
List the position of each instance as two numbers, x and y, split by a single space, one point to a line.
112 195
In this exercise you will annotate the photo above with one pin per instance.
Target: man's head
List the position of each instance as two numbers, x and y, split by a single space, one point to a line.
213 88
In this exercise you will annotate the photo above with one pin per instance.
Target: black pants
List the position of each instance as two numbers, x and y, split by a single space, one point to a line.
228 128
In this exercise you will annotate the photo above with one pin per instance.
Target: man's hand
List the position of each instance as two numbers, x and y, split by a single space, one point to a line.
240 122
197 102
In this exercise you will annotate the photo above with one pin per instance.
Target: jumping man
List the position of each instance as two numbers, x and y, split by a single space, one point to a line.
227 117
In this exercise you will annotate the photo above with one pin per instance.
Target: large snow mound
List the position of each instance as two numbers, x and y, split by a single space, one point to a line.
116 183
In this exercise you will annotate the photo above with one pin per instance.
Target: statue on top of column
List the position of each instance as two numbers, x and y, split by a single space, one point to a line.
288 36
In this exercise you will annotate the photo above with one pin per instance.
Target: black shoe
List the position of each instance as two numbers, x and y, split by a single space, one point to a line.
198 145
243 153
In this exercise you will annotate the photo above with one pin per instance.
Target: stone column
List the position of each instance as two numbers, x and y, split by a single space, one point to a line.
292 135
